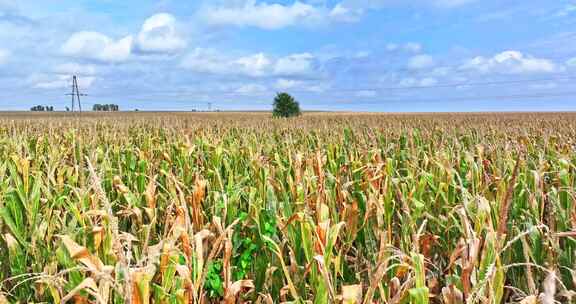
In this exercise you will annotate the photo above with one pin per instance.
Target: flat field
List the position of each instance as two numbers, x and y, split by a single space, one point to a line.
324 208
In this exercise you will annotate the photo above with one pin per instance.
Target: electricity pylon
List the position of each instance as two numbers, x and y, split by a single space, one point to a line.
76 94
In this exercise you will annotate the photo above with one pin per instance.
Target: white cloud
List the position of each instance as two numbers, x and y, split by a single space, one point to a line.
452 3
415 82
256 65
366 93
206 61
297 64
263 15
300 85
544 86
51 82
97 46
428 81
4 54
566 10
442 72
284 84
511 62
8 6
361 54
213 62
410 47
251 89
419 62
317 88
378 4
61 78
159 35
345 14
75 69
273 16
413 47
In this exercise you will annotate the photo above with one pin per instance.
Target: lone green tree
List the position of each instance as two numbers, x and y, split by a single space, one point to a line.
285 106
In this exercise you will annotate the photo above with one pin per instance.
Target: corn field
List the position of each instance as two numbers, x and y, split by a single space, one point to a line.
323 208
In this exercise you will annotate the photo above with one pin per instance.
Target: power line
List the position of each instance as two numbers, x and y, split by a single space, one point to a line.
76 94
463 99
453 99
448 85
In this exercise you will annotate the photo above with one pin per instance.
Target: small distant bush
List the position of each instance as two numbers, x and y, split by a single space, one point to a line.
40 108
105 108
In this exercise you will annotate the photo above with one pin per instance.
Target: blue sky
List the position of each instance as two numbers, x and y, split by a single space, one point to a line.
359 55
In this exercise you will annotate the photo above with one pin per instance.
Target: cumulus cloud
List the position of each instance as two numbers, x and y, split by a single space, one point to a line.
345 14
263 15
61 77
159 35
256 65
428 81
378 4
4 54
51 82
285 84
420 62
97 46
418 82
213 62
366 93
452 3
511 62
317 88
544 86
297 64
273 16
8 6
75 69
206 61
410 47
567 10
250 89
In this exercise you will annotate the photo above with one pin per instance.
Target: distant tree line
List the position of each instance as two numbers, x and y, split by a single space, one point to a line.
41 108
105 108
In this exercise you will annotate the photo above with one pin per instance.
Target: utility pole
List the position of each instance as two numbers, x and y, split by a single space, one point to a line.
209 107
76 94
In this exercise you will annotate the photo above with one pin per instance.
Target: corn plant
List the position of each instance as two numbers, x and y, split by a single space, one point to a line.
322 208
